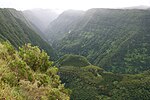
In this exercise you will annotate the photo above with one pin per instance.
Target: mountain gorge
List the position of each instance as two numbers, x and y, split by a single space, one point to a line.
115 39
98 54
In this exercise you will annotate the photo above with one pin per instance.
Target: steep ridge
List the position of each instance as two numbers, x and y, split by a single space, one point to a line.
15 28
116 39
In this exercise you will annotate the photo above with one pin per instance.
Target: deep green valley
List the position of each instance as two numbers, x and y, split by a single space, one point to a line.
98 54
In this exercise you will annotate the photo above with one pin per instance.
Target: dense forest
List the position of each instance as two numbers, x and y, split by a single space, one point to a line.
89 82
114 39
98 54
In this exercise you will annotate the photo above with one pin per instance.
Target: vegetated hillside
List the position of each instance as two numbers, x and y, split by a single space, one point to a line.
28 74
15 28
116 39
58 28
93 83
72 60
41 17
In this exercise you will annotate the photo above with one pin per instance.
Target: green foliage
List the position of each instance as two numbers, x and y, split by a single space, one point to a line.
9 93
83 83
89 83
133 87
72 60
10 78
93 69
115 39
35 58
20 81
93 83
20 69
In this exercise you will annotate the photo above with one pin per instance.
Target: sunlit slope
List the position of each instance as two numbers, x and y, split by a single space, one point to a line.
27 74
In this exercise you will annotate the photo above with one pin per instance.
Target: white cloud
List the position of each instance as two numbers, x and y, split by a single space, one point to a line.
71 4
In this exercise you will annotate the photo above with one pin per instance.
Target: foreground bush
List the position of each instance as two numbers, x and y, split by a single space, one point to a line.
28 74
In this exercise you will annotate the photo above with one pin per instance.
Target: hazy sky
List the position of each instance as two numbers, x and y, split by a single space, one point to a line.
70 4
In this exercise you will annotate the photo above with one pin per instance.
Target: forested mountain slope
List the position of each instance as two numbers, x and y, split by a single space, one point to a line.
89 82
116 39
15 28
66 21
